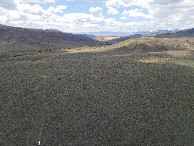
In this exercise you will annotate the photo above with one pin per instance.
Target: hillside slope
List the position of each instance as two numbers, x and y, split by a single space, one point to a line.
15 39
140 93
182 33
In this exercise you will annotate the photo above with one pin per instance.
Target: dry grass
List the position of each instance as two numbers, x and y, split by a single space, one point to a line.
154 60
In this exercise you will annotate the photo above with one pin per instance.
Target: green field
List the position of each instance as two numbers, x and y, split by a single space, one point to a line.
138 93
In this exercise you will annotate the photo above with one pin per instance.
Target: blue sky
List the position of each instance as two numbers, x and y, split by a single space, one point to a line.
98 15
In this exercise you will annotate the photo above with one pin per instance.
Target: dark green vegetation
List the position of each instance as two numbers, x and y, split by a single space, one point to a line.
15 40
140 93
178 34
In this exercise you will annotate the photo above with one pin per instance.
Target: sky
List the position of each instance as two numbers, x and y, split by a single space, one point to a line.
82 16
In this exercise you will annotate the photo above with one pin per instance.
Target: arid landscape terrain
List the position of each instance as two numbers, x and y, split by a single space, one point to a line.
67 89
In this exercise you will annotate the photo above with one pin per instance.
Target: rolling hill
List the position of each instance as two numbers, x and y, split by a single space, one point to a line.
139 92
15 39
182 33
133 92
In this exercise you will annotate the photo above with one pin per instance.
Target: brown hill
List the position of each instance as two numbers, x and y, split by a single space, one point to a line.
15 39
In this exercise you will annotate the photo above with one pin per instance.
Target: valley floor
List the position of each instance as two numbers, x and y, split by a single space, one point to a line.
138 92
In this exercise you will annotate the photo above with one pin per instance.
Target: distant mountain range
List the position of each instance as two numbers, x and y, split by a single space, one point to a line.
182 33
133 34
104 32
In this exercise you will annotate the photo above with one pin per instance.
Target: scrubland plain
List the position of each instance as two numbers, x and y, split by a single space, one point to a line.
136 92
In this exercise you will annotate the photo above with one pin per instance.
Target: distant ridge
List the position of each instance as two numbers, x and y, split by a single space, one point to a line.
182 33
17 39
46 37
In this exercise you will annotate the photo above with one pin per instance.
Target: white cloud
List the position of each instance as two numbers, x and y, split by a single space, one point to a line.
39 1
96 11
118 3
176 13
173 13
3 15
35 9
128 3
96 0
166 2
166 14
135 13
123 18
58 9
8 4
112 11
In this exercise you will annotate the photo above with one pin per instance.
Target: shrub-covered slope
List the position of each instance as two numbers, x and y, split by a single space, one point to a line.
138 94
183 33
15 39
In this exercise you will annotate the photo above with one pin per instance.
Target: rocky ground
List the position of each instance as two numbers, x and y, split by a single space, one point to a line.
138 92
